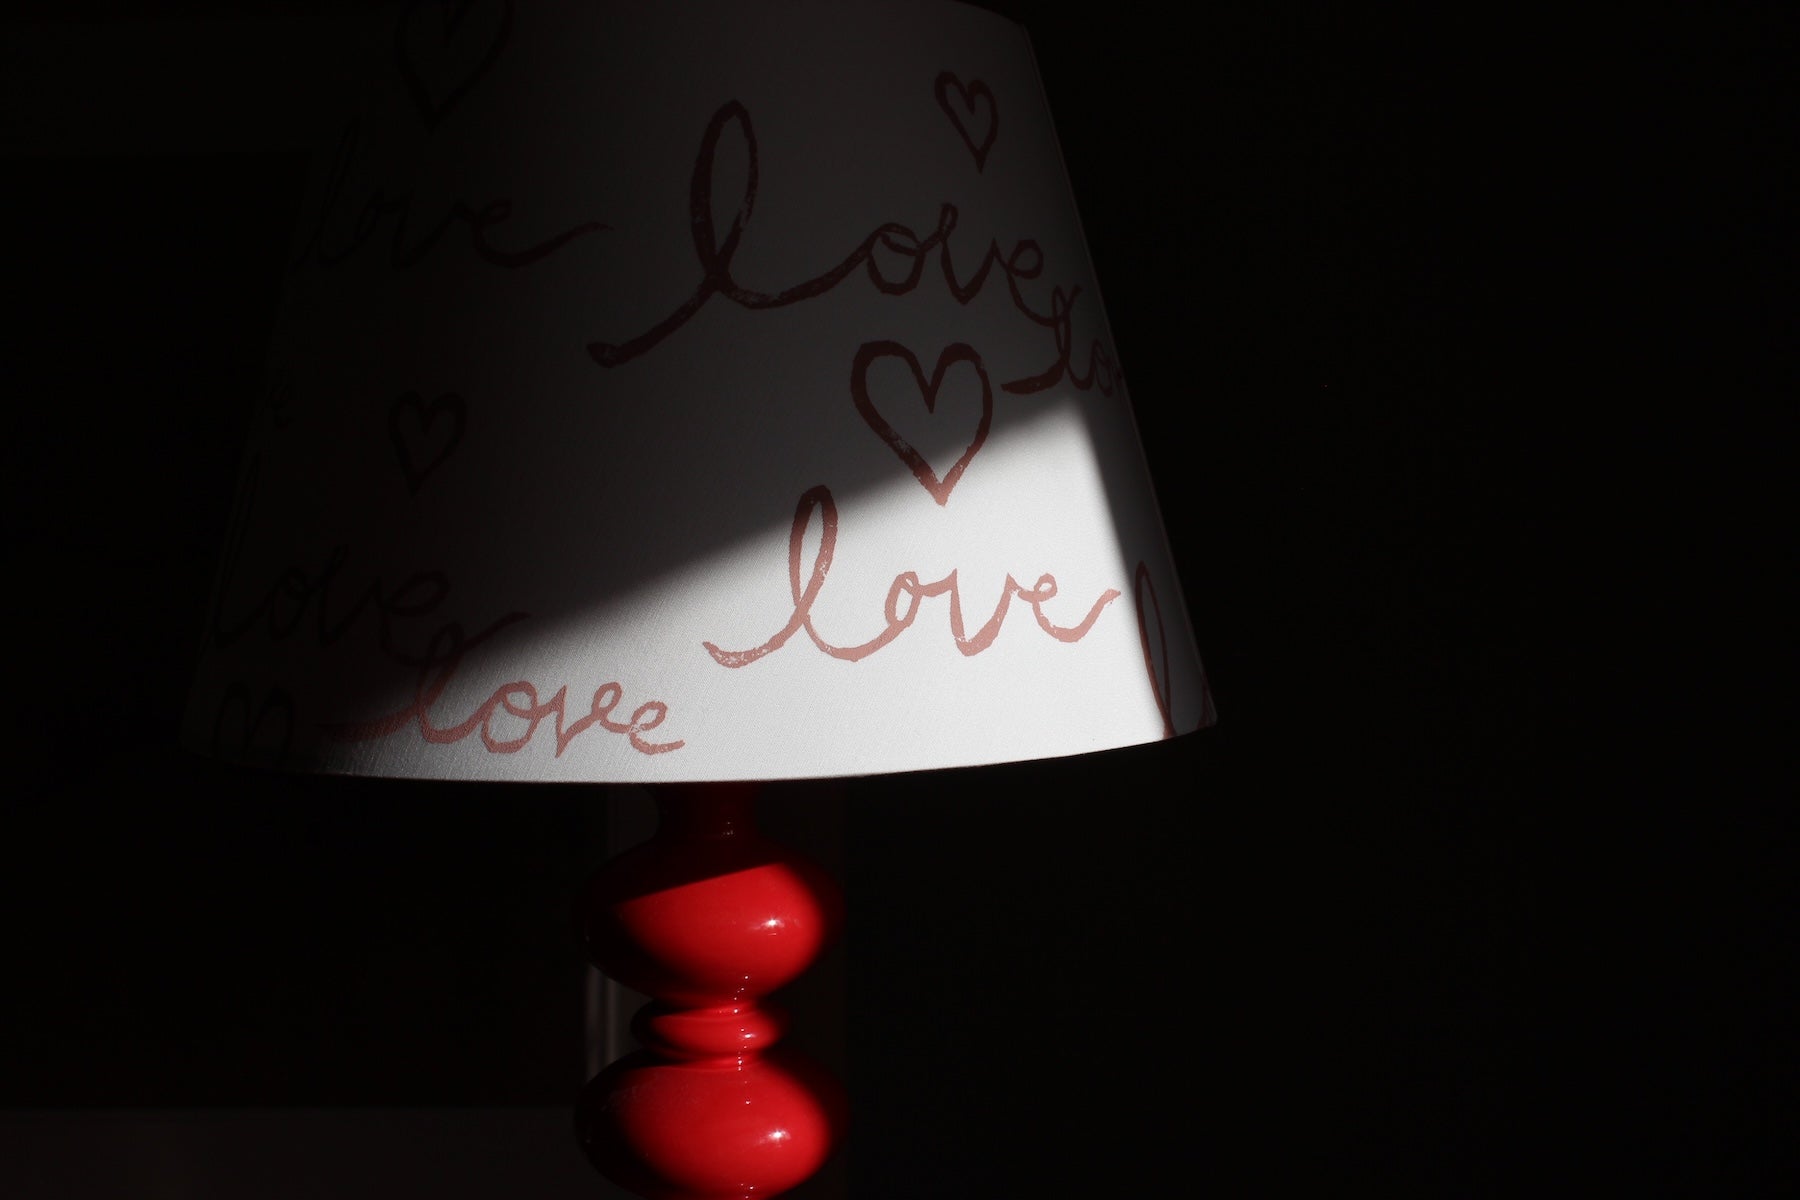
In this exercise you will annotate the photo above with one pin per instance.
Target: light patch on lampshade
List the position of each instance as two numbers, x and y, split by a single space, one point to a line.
880 698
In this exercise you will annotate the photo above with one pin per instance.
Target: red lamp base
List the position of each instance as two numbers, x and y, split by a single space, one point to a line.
708 917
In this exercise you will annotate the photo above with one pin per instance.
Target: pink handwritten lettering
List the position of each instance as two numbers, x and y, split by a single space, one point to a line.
379 207
1102 372
283 608
903 599
518 699
715 254
1161 687
281 613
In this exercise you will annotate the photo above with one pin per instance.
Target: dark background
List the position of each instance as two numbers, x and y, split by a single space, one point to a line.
1461 346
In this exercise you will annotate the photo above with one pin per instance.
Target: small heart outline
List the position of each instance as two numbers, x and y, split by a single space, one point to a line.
968 94
408 439
431 108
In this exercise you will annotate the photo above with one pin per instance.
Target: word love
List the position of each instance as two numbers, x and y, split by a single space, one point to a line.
510 703
406 245
335 609
1161 687
903 599
893 256
283 611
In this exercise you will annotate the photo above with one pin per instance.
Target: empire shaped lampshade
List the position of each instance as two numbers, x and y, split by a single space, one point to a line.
713 393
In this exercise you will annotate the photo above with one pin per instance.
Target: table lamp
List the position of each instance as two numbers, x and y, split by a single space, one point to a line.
692 396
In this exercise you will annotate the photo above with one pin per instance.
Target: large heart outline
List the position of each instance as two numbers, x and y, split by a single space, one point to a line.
957 352
436 96
947 82
413 444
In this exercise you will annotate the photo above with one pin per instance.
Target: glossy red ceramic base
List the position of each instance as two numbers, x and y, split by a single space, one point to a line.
708 917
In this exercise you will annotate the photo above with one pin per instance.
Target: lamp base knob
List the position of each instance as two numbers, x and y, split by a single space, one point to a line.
722 1129
707 917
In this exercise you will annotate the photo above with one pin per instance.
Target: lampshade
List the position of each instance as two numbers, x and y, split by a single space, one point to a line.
699 392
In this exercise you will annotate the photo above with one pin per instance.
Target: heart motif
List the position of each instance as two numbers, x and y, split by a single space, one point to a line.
443 54
928 390
421 442
261 734
963 113
1160 684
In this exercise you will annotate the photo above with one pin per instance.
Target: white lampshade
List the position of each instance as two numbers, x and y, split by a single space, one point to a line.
694 392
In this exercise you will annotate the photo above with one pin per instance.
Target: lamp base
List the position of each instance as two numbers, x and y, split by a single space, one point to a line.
707 918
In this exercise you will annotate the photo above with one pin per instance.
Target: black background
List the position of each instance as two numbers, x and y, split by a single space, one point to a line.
1460 343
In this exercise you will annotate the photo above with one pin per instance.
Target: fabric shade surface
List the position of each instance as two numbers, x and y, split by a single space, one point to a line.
693 393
